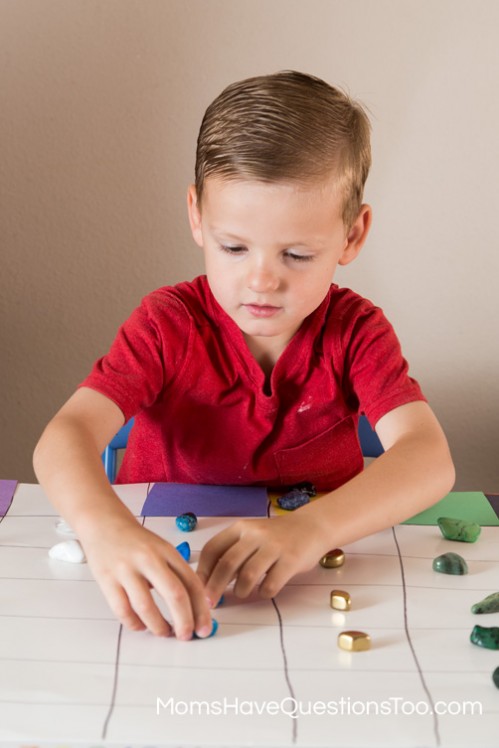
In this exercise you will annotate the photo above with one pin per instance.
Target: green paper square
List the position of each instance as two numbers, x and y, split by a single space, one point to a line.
472 506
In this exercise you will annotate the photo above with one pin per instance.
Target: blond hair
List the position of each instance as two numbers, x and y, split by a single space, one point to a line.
288 126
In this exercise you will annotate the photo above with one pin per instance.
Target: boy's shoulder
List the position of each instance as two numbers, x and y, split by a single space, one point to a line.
185 300
352 322
344 305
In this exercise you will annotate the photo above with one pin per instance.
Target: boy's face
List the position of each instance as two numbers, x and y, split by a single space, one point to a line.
271 251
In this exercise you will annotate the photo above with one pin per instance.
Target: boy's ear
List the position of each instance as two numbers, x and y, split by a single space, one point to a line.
194 215
357 234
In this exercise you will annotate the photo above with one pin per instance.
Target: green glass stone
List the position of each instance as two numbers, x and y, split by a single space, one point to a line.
450 563
495 676
458 529
489 604
485 637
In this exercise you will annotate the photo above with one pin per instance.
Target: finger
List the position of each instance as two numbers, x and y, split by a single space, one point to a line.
252 571
197 595
213 550
227 569
120 605
185 596
275 579
139 594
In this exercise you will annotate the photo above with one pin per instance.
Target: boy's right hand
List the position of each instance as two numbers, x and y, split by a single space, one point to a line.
128 560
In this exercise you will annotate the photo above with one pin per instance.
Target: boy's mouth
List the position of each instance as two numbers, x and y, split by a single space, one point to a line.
262 310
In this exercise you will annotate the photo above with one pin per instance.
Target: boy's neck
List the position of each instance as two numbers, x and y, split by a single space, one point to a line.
265 351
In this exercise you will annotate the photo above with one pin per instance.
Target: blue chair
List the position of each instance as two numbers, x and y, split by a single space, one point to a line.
369 440
109 456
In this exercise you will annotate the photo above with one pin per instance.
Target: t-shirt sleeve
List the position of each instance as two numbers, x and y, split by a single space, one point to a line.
147 353
376 374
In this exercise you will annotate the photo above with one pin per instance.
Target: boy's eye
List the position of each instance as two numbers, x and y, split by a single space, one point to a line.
238 249
232 250
299 258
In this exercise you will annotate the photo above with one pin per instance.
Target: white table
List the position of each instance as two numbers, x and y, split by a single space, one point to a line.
70 675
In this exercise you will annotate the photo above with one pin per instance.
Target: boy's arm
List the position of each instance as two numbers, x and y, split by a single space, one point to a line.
125 558
415 471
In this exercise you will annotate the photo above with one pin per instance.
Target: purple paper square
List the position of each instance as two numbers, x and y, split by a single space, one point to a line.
494 502
172 499
7 490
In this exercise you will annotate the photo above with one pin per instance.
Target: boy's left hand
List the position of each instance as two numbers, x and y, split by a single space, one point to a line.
270 551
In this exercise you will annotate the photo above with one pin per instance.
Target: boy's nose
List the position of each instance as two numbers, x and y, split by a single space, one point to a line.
263 279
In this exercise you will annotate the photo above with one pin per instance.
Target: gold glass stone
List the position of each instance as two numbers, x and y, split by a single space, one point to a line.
354 641
340 600
332 559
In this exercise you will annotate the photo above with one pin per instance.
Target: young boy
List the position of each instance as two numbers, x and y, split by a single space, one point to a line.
254 374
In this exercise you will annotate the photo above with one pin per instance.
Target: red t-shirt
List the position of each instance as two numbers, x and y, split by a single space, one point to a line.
181 366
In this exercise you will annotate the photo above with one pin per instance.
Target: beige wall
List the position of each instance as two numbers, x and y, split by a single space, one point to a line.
100 105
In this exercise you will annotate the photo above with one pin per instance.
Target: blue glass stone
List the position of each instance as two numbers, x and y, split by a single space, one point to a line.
186 522
293 499
185 550
214 629
495 677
